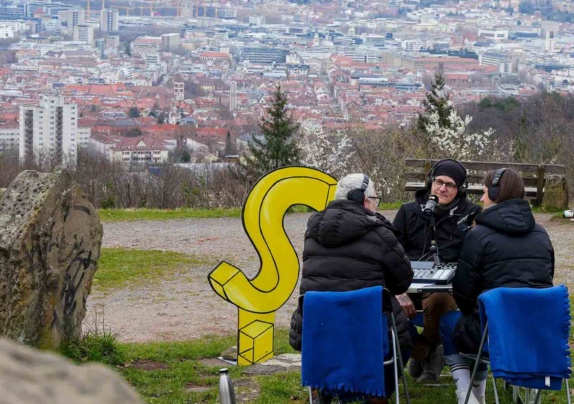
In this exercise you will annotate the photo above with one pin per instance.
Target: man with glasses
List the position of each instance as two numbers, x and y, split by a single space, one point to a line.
446 181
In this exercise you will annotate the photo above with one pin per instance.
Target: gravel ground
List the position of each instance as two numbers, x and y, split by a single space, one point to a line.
187 308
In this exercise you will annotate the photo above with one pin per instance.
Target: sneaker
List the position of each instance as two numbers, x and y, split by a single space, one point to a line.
432 366
415 368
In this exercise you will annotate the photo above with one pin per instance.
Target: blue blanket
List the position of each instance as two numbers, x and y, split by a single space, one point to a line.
528 333
343 337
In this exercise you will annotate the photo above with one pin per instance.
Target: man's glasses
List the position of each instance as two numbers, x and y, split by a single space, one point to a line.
377 199
451 186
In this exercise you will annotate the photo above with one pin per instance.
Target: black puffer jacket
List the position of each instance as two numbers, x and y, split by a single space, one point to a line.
505 248
348 248
415 227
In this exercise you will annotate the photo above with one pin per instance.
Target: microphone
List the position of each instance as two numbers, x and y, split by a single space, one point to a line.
431 205
465 222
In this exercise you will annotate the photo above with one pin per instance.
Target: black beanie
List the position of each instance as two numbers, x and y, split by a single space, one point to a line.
451 169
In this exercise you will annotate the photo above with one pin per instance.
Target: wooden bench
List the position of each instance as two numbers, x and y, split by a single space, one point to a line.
534 176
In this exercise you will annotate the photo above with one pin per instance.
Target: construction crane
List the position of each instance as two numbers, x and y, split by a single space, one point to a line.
126 9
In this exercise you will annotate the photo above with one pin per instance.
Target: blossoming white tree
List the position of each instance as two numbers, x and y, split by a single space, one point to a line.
454 142
328 152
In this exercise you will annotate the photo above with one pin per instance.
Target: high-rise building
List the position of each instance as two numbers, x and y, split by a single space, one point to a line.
109 20
550 42
84 33
73 18
170 42
49 131
233 96
179 90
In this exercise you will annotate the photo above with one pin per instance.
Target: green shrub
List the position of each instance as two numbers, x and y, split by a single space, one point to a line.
95 347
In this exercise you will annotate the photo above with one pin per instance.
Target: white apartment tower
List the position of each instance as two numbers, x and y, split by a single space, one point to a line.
74 18
49 130
109 20
179 90
232 96
549 45
170 42
84 33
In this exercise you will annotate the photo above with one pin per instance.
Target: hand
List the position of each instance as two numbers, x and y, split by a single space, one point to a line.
407 305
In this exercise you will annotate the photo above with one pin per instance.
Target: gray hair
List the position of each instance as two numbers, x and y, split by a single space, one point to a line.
351 182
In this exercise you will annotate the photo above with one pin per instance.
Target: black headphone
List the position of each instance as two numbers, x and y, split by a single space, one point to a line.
494 189
358 194
430 176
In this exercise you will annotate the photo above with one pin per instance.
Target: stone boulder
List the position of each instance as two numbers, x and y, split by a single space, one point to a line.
29 376
555 192
50 240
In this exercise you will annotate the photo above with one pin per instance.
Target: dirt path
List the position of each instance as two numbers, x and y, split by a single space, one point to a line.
187 308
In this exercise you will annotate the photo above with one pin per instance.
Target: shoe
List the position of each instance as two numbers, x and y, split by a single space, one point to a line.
432 366
415 368
461 395
379 400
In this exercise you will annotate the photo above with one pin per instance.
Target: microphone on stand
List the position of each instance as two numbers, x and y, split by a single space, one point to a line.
430 207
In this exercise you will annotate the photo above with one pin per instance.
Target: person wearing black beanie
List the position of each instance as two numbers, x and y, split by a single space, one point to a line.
447 181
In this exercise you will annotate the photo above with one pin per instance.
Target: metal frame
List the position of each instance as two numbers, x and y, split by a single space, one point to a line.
515 390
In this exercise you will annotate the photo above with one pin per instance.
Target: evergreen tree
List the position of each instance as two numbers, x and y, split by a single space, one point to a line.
278 147
436 100
134 112
230 148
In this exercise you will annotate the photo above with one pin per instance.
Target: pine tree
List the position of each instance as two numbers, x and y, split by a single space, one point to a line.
278 148
230 148
436 100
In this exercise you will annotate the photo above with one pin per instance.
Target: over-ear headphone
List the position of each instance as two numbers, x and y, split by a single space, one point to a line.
358 194
430 176
494 189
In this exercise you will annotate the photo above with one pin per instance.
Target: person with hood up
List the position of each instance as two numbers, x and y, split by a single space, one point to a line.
505 248
349 246
447 181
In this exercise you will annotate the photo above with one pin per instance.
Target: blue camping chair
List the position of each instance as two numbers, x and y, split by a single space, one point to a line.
527 331
345 344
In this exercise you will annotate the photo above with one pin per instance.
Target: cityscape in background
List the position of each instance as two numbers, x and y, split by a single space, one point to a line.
142 81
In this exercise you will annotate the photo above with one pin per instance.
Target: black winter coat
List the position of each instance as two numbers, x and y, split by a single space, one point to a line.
506 248
415 227
347 247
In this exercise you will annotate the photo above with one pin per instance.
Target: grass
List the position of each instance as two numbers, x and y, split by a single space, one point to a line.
181 369
132 215
122 267
171 367
547 209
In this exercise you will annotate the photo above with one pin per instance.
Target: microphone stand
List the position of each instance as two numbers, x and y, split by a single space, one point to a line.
434 246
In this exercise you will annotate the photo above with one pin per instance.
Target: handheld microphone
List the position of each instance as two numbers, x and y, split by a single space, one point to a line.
465 222
431 205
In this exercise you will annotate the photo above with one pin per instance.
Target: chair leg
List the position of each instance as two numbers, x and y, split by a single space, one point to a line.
537 399
475 369
399 356
568 391
495 390
310 395
395 364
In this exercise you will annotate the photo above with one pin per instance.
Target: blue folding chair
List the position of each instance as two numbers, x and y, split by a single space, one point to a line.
345 343
527 331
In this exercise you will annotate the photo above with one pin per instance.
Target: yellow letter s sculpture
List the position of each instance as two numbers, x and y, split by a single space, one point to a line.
258 299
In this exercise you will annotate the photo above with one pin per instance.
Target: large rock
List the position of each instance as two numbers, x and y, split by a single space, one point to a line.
50 239
555 193
29 376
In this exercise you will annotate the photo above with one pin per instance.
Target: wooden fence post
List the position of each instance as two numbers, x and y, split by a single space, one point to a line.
566 196
540 185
